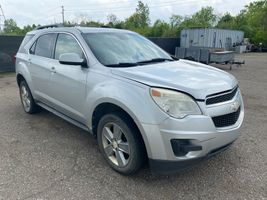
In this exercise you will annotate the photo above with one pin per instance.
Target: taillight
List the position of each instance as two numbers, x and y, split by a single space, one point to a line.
14 58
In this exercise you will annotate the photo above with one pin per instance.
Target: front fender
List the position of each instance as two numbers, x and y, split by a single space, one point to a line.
134 98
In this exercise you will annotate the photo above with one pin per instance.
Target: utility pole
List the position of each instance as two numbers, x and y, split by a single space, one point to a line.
2 18
62 12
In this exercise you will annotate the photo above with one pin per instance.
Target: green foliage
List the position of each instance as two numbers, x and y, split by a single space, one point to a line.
140 19
113 21
10 27
256 15
90 24
163 29
227 21
252 20
202 19
176 20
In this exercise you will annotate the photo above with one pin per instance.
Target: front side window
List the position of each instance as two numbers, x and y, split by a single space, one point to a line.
67 44
123 48
45 44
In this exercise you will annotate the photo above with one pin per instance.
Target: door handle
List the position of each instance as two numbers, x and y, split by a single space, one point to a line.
53 69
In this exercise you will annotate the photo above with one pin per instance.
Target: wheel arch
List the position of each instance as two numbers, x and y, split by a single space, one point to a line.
20 78
106 107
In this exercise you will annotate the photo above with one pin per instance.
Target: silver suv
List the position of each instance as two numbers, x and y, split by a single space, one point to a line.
139 102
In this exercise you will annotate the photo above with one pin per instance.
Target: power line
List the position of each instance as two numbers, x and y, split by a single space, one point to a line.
101 8
125 8
102 4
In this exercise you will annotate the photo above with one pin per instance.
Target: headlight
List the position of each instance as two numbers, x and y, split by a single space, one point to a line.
176 104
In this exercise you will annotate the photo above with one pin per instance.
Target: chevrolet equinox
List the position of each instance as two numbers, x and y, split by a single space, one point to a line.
138 101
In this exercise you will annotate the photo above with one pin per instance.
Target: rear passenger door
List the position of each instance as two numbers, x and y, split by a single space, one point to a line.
68 82
41 53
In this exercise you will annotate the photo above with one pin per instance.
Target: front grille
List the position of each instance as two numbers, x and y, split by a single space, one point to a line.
226 96
226 120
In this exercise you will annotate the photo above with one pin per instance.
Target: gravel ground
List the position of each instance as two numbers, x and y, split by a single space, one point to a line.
44 157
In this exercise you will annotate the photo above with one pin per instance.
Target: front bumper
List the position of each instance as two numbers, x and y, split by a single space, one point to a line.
199 130
164 167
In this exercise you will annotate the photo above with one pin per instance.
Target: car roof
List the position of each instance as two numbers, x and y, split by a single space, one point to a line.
80 29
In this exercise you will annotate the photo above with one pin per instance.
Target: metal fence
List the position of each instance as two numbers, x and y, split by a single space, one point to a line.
8 48
9 45
168 44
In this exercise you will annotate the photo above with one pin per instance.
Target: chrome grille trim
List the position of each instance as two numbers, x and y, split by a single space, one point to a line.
221 97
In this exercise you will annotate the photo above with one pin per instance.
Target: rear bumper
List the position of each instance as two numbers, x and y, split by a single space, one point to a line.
166 167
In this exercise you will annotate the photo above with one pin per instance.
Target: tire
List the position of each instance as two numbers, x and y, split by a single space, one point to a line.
120 143
26 98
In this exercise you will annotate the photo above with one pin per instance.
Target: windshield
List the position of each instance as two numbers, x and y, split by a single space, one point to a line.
124 49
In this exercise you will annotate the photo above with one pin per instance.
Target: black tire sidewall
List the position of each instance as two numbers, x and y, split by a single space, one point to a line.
33 106
136 150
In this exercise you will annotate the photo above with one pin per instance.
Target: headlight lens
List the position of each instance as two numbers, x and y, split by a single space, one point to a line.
176 104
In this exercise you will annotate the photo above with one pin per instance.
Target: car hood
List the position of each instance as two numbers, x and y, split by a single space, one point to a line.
194 78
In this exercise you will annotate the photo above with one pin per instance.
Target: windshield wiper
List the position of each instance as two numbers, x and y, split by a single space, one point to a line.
123 65
155 60
126 64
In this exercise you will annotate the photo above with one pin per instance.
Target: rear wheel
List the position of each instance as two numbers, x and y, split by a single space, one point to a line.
120 143
27 100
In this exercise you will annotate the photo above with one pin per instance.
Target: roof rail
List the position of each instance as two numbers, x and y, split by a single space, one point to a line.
49 26
105 26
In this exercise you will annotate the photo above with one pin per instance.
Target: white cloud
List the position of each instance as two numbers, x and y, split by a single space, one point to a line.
48 11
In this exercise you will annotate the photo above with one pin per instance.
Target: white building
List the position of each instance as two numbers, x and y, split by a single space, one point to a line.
211 38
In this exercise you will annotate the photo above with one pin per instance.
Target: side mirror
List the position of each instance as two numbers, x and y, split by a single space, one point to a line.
72 59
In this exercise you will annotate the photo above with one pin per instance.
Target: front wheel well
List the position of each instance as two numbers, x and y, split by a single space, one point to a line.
103 109
107 108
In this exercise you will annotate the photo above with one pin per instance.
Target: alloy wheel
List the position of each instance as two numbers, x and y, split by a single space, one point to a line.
25 98
115 144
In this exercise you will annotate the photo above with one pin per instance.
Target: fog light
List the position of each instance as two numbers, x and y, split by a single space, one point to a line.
181 147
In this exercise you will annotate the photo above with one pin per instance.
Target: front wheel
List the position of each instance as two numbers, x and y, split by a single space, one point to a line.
120 143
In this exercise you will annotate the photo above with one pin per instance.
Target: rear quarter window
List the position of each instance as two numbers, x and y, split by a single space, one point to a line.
25 40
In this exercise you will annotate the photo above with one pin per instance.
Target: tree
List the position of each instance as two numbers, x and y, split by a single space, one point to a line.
204 18
90 23
176 20
256 19
227 21
11 27
159 28
252 20
27 28
140 19
112 20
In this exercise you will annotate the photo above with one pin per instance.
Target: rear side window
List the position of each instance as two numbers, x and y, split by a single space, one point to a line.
25 40
45 45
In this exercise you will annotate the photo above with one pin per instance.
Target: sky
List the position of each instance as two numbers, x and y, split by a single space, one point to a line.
43 12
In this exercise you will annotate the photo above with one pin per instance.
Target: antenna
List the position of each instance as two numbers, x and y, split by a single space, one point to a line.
2 18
